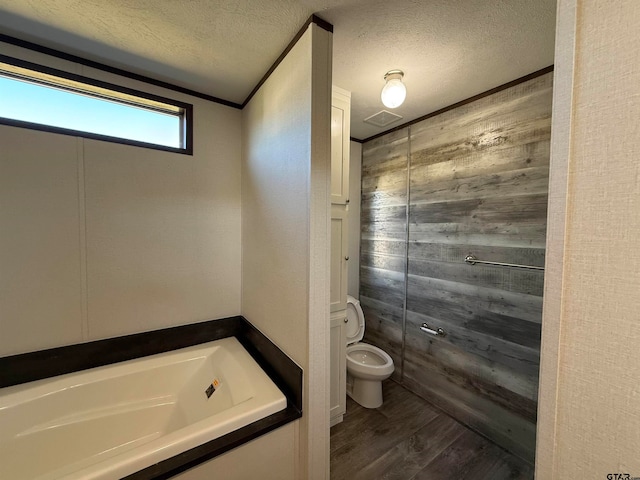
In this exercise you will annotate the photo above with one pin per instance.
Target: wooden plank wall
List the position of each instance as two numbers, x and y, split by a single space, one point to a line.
478 181
383 242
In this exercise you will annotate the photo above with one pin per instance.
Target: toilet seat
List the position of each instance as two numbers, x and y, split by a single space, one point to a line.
368 361
355 321
363 359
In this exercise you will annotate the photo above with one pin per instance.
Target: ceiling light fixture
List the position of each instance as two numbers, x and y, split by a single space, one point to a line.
394 91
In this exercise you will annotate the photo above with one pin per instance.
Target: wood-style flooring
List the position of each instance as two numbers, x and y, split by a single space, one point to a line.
409 439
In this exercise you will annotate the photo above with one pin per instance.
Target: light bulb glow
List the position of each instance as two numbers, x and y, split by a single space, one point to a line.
394 92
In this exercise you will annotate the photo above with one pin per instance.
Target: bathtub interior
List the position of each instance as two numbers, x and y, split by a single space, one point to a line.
52 427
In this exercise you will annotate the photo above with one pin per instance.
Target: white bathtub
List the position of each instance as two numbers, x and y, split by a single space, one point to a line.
112 421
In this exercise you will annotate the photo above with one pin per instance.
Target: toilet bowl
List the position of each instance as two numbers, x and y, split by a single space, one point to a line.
367 365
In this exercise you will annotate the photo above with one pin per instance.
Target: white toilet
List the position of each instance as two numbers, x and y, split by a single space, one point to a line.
367 366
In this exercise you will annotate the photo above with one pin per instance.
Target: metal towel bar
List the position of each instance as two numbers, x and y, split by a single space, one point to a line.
433 331
473 260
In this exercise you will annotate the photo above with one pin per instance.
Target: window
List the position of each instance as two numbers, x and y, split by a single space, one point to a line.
42 98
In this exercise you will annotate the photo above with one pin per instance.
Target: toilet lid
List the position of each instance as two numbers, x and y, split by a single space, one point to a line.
355 321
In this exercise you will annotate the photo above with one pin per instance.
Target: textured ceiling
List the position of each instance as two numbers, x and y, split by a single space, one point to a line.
449 50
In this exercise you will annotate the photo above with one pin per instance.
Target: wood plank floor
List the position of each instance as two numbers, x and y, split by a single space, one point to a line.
409 439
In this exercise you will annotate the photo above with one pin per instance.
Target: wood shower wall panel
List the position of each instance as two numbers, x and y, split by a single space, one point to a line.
476 404
478 184
383 250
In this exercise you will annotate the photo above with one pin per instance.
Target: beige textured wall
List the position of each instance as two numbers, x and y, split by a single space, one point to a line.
589 416
285 226
275 203
100 239
269 457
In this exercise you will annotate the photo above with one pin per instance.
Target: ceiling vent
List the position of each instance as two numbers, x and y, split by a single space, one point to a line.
382 118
